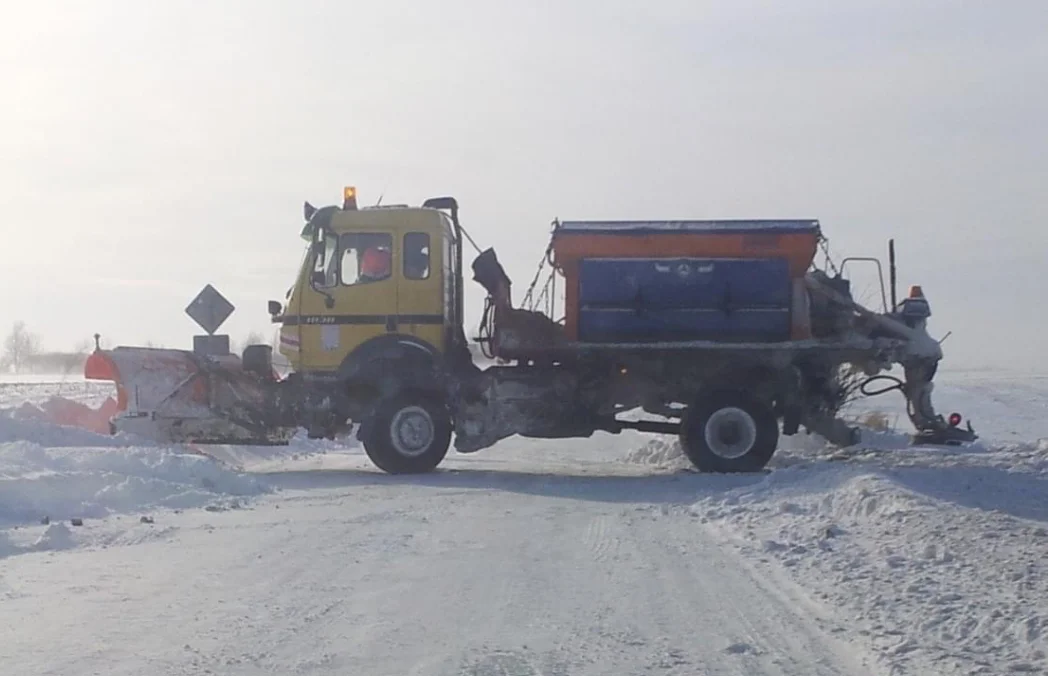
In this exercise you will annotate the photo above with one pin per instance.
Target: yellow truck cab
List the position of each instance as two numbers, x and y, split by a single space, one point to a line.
377 303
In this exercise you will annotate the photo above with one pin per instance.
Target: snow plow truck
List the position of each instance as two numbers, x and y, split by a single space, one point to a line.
724 333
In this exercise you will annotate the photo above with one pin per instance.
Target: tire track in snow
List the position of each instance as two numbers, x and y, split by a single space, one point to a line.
597 539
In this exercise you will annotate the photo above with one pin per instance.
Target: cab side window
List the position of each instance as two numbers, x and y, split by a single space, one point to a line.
366 258
416 255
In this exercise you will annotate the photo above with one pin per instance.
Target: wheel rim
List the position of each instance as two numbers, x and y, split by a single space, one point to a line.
412 431
730 433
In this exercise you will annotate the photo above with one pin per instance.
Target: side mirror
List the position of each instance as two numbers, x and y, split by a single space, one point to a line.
441 203
308 210
274 308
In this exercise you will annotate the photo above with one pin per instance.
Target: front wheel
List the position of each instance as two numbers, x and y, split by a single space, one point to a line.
409 434
729 432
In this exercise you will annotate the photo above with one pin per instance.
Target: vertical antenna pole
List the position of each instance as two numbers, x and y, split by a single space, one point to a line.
891 266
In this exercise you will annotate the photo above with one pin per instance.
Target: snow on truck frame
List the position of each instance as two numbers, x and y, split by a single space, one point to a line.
723 332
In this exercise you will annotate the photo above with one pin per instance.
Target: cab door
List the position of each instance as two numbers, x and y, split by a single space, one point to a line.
352 298
420 297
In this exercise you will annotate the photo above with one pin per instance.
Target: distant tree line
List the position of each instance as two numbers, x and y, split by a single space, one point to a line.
23 353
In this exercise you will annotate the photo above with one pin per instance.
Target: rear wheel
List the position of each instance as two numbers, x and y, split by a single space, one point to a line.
410 433
729 432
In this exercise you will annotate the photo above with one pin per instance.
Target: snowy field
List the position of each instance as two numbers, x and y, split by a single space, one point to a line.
600 556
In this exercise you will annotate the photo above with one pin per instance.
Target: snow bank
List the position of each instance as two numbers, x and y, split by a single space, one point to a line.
55 473
31 422
62 483
58 472
937 558
62 411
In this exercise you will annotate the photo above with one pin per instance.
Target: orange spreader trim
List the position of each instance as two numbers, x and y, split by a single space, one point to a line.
797 248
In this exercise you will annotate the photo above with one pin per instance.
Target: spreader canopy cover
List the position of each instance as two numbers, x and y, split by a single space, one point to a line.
772 226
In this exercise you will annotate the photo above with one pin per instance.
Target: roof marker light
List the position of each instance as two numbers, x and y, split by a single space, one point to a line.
349 198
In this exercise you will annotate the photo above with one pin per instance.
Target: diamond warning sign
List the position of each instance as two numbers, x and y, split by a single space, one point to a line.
210 309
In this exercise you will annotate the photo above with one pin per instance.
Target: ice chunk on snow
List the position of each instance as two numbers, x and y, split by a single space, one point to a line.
57 537
659 452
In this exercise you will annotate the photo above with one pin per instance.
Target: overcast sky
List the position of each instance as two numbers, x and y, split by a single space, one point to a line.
150 148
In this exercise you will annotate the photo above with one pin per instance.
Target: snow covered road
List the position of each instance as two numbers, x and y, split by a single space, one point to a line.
569 558
464 572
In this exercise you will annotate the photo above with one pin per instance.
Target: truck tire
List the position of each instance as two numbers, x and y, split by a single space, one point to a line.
729 432
409 433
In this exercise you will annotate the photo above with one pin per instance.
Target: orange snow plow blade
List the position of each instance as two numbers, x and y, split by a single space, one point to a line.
99 367
181 397
60 411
